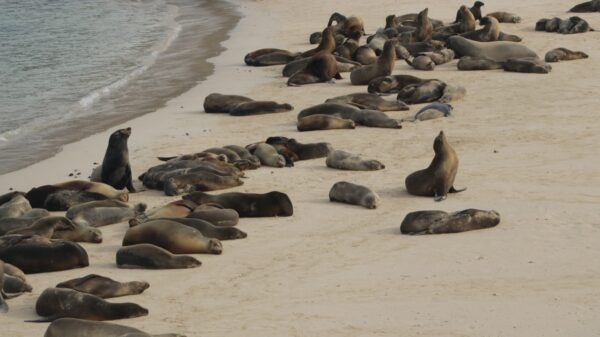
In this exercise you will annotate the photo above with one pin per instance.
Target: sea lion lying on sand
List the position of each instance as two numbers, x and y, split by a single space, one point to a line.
440 222
564 54
586 7
241 106
347 161
371 118
353 194
248 204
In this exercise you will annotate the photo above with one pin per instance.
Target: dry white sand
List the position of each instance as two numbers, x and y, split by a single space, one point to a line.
527 145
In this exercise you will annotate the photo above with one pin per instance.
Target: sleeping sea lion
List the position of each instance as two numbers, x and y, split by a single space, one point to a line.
353 194
149 256
248 204
438 222
104 287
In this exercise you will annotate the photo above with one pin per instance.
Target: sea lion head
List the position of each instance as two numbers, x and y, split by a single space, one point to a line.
423 15
478 4
215 246
118 136
138 286
371 201
439 142
130 310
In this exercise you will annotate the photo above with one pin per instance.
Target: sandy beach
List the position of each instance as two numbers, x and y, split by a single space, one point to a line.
528 149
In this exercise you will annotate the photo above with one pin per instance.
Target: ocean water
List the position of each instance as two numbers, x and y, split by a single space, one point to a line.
71 68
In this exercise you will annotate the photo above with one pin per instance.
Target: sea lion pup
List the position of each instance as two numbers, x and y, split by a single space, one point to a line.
269 57
72 327
383 66
14 286
572 25
424 92
499 51
586 7
149 256
14 205
199 181
440 222
242 106
477 63
115 169
267 155
102 213
437 180
345 25
95 187
248 204
353 194
421 62
324 122
217 215
59 227
209 230
172 236
322 67
104 287
369 101
475 10
55 303
302 151
527 65
505 17
564 54
343 160
391 84
364 55
34 254
489 32
432 111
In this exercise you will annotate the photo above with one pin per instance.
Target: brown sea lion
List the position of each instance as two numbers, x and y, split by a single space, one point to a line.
499 51
349 46
269 57
104 287
509 37
343 65
439 222
442 56
244 155
466 24
527 65
105 212
586 7
371 118
343 160
209 230
324 122
437 180
489 32
391 84
353 194
424 29
268 155
475 10
149 256
13 205
172 236
383 66
216 215
55 303
345 25
59 227
564 54
322 67
14 286
241 106
505 17
95 187
477 63
248 204
72 327
174 209
369 101
3 305
303 151
199 181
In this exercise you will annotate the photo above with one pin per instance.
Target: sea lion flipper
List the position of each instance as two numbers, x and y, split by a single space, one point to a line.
439 197
45 319
337 76
3 306
129 183
454 190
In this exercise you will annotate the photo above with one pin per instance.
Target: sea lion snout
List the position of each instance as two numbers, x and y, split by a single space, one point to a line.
215 247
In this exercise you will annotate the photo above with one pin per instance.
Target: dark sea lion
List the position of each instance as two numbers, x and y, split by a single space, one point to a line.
489 32
59 227
172 236
199 181
104 287
115 170
349 46
248 204
209 230
347 161
269 57
39 255
437 180
586 7
95 187
322 67
499 51
439 222
324 122
416 48
303 151
572 25
369 101
505 17
102 213
72 327
216 215
478 63
371 118
327 44
13 205
475 10
241 106
149 256
527 65
345 111
353 194
55 303
364 55
346 25
509 37
467 23
54 198
564 54
424 92
391 84
383 66
343 65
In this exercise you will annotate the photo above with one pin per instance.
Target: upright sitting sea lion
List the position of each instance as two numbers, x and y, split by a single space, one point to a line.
466 24
104 287
586 7
321 68
432 111
324 122
383 66
424 29
149 256
72 327
437 180
347 161
489 32
55 303
95 187
327 44
527 65
564 54
343 65
248 204
241 106
438 222
423 92
353 194
391 84
505 17
499 51
475 10
115 169
369 101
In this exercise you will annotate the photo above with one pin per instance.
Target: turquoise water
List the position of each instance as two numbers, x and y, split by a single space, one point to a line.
70 68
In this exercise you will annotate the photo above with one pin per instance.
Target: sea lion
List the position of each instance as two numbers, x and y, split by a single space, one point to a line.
489 32
424 92
424 29
349 46
572 25
475 10
115 169
174 209
416 48
54 198
509 37
343 65
104 287
302 151
371 118
347 161
327 44
432 111
59 227
353 194
172 236
269 57
324 122
102 213
23 221
564 54
438 222
199 181
72 327
505 17
14 286
437 180
467 23
216 215
499 51
95 187
527 65
13 205
383 66
322 67
3 305
39 255
421 62
364 55
268 155
55 303
478 63
369 101
391 84
586 7
248 204
209 230
242 106
149 256
441 56
245 155
344 25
